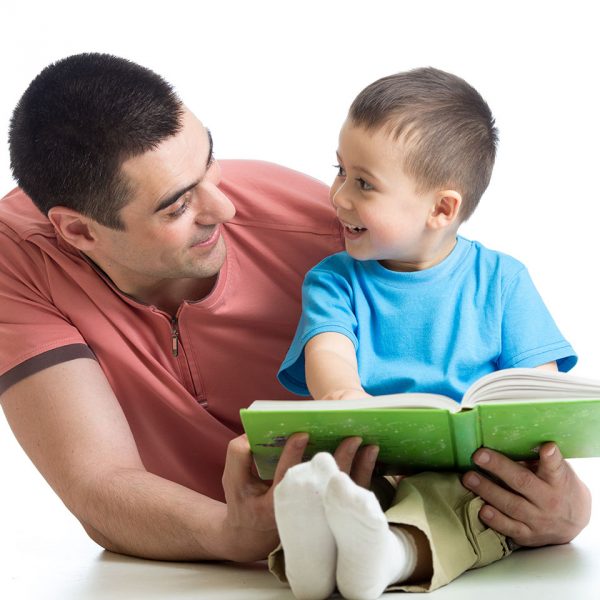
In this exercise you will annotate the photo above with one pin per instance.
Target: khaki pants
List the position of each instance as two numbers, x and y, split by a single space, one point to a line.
447 513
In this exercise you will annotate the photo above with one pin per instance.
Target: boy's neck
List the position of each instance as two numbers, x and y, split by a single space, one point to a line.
433 255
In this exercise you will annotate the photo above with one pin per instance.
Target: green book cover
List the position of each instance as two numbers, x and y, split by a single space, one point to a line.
512 411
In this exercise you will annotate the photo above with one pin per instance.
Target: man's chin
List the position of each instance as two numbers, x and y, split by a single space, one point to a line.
209 266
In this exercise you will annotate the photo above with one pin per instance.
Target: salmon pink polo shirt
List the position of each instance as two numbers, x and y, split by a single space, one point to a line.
181 380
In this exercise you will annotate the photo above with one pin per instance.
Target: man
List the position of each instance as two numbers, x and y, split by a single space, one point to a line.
150 293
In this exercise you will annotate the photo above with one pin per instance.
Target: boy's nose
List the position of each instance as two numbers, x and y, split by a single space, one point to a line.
340 199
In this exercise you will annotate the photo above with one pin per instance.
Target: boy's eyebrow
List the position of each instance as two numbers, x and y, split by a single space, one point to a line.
172 198
359 168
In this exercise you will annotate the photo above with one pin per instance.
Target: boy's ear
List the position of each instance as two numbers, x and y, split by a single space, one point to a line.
75 228
446 209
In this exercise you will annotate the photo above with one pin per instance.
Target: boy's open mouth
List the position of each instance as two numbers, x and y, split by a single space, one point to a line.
353 232
352 228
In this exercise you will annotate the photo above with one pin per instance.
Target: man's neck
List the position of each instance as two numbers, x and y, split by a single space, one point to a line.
167 294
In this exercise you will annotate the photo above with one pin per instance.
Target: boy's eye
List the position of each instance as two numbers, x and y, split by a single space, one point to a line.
341 172
365 186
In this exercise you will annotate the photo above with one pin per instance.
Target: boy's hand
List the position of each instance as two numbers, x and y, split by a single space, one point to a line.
548 506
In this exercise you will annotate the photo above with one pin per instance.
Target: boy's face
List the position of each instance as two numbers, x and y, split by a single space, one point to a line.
383 216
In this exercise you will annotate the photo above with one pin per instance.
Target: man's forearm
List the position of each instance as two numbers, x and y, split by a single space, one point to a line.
73 429
140 514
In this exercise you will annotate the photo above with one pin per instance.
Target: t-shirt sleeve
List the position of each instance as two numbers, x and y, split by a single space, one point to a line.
326 307
34 333
530 337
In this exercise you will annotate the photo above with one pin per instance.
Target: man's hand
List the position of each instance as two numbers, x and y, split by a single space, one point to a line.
548 506
249 528
357 461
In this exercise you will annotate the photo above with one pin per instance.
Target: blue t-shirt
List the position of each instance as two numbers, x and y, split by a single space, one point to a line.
436 330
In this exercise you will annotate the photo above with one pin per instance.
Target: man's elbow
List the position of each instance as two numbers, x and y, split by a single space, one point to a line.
101 539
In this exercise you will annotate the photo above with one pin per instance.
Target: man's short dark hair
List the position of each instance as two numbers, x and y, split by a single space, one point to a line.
445 125
76 123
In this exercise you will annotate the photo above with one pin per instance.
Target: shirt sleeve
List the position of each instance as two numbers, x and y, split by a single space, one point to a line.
30 325
530 337
326 307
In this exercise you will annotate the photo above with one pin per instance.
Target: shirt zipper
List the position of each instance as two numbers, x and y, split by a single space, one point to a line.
175 351
174 337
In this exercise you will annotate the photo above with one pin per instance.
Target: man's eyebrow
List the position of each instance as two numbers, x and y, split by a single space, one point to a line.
175 196
172 198
210 157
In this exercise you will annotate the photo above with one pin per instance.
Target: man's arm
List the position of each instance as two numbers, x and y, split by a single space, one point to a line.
72 427
70 424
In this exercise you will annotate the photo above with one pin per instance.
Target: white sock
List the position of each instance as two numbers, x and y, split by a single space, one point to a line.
308 544
371 556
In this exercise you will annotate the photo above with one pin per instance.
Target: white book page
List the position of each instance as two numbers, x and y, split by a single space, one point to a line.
530 384
389 401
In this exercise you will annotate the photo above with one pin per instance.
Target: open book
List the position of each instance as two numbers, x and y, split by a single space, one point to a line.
512 411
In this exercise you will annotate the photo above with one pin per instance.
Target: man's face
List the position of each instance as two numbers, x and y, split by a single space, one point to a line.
172 222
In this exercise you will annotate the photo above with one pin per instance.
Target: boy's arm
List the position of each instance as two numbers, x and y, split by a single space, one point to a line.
331 368
548 506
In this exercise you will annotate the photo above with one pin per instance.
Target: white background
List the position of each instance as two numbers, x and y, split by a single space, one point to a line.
273 80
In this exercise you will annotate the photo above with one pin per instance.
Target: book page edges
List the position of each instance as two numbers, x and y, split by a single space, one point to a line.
406 400
523 384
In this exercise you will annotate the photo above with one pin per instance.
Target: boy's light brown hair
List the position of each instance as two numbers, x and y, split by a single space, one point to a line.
446 127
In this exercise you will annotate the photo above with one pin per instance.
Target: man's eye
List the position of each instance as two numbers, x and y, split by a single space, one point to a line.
182 208
365 186
341 172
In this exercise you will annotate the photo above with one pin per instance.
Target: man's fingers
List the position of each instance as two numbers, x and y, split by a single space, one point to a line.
361 471
346 452
551 465
238 460
515 476
518 531
511 504
291 455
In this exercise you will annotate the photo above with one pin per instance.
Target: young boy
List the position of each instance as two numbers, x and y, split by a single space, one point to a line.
409 307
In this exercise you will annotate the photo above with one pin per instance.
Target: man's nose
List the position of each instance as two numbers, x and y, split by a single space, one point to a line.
215 206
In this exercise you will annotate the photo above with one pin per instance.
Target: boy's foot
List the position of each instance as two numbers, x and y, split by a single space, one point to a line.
371 556
308 544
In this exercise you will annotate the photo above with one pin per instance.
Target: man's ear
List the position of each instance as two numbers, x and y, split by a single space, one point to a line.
75 228
446 209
